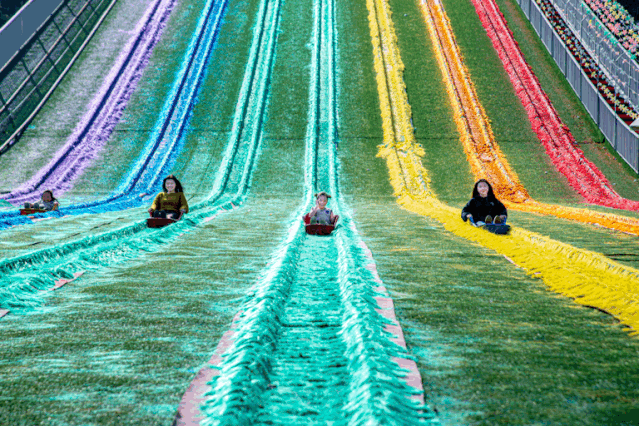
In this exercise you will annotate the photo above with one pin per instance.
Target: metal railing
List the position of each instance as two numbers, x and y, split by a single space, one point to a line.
621 136
26 21
30 77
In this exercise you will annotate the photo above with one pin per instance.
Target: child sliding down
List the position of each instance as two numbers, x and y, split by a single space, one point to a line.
171 202
319 214
47 202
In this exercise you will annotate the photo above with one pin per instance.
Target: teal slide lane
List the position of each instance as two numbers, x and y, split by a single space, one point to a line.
25 279
311 343
163 146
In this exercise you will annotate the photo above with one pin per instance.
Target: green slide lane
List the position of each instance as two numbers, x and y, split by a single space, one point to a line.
309 344
494 346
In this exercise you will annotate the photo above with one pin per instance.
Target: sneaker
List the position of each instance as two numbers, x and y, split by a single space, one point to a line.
497 219
489 219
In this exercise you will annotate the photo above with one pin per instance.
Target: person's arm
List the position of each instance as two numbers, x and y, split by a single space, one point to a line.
501 211
156 203
184 206
55 205
313 212
467 211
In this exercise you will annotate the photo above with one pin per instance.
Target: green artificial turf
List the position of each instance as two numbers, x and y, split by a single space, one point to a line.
435 128
21 240
288 100
360 122
130 338
212 116
120 346
358 115
494 346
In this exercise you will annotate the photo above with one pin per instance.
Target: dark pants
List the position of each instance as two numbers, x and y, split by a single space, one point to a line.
167 214
34 206
474 222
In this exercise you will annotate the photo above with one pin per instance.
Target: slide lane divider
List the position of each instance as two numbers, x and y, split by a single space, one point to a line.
588 278
315 340
167 139
483 153
24 278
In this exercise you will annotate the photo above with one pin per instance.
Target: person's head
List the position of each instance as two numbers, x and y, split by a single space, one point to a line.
321 199
47 196
483 189
171 184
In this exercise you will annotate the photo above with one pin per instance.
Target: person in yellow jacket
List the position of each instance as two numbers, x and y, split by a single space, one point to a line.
171 202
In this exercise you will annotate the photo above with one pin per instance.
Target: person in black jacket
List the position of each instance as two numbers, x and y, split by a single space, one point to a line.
484 207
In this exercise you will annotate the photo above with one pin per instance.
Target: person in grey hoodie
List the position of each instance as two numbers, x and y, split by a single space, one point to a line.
47 202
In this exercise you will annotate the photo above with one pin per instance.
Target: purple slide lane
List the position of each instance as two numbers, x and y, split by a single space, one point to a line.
103 112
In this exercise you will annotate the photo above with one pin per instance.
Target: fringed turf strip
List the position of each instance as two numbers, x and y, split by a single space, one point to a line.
387 310
189 412
587 277
559 143
312 342
308 375
105 111
145 175
395 109
25 277
483 153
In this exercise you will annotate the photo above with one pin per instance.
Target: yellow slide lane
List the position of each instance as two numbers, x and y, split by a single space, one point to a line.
590 278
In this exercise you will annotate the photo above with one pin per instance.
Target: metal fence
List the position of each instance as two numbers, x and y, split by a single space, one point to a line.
29 78
601 44
19 29
622 138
